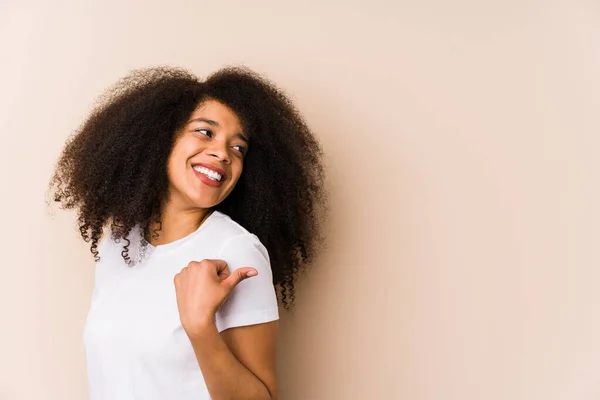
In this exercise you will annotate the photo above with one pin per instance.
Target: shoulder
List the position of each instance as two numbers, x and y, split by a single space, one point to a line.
223 223
237 245
233 236
254 300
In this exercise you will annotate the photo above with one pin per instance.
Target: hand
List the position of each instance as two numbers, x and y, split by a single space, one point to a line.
201 288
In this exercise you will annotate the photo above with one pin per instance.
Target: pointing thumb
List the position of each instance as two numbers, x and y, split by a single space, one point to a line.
239 275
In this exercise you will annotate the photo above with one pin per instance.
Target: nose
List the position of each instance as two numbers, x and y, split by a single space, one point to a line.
218 149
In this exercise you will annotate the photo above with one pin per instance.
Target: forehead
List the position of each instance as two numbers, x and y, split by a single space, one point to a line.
219 112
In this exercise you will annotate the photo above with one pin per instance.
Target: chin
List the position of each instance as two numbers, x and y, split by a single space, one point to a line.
196 201
206 199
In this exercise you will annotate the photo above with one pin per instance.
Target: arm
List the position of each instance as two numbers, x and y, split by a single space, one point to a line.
239 363
233 332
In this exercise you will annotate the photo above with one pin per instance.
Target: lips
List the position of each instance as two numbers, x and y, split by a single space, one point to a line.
212 168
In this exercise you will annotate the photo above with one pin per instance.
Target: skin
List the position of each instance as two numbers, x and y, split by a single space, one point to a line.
200 142
238 363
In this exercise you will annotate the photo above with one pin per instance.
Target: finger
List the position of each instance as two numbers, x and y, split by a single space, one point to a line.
220 265
181 272
223 273
193 263
239 275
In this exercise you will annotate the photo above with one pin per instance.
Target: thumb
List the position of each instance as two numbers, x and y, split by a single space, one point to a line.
239 275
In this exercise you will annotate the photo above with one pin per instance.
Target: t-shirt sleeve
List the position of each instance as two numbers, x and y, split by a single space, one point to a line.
253 300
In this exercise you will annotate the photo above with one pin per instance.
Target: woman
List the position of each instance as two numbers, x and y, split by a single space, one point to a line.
181 186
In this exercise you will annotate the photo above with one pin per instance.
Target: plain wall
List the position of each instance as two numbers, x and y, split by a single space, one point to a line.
461 141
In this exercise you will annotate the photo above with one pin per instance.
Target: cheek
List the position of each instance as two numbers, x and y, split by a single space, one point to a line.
181 152
236 171
173 163
176 169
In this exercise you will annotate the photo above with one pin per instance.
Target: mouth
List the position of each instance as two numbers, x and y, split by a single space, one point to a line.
213 174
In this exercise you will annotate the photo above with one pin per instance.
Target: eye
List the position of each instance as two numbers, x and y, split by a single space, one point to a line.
206 132
240 148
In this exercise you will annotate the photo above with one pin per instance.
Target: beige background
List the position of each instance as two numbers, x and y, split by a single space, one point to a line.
461 139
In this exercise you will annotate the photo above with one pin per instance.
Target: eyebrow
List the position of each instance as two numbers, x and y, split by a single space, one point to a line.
215 123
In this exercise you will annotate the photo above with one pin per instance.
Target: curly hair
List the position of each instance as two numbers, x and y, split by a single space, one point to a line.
113 169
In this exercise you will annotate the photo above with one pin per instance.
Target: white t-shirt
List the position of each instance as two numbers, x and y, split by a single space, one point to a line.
136 348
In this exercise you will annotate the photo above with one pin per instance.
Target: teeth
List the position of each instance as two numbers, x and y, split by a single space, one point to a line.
215 176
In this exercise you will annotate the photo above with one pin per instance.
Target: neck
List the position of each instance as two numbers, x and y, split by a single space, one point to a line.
177 224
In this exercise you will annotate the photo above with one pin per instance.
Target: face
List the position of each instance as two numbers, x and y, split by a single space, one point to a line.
207 158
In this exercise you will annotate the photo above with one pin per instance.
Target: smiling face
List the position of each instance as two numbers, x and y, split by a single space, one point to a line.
207 158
